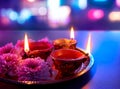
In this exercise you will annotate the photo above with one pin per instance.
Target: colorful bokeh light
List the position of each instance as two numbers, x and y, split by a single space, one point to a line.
82 4
114 16
118 3
59 16
31 0
43 11
95 14
53 4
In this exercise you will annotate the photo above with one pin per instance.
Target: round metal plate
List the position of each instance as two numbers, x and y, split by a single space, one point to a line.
86 66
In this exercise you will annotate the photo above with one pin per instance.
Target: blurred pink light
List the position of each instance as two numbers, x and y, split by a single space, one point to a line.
118 3
95 14
31 0
5 20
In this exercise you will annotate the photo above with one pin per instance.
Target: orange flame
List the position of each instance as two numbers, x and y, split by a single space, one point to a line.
88 48
72 36
26 44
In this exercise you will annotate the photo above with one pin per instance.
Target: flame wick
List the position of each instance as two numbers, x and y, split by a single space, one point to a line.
72 33
88 44
26 44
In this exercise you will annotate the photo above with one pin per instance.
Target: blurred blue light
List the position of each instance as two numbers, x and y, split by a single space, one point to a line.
25 14
20 21
13 15
82 4
75 3
100 0
52 4
9 13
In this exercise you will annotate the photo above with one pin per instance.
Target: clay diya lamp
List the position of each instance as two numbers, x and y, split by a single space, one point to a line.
64 43
37 49
67 61
40 49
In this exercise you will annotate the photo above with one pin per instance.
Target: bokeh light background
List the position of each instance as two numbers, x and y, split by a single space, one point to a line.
59 14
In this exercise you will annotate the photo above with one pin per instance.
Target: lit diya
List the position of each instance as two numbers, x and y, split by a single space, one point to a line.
67 61
37 49
65 43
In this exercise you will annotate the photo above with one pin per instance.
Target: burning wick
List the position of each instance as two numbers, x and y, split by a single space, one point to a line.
72 33
88 48
26 44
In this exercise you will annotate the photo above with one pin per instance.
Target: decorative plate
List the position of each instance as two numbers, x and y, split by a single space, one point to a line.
86 66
